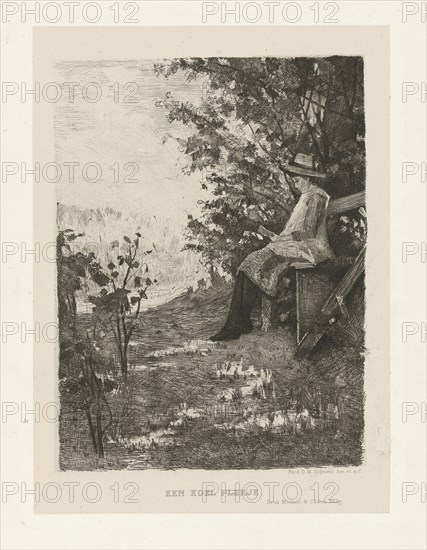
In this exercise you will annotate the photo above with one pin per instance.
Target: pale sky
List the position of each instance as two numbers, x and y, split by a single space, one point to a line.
108 132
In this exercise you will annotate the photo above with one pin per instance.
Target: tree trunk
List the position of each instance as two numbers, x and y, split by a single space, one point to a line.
92 430
99 430
125 362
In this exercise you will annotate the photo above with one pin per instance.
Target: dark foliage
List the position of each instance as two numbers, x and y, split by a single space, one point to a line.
256 115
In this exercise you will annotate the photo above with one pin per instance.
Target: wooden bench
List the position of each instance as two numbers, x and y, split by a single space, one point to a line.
315 316
321 289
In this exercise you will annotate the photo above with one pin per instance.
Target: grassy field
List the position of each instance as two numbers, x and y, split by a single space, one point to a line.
184 415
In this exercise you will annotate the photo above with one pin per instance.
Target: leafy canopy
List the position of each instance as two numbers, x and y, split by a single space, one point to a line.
255 114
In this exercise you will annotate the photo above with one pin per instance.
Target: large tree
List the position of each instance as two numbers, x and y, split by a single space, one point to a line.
255 115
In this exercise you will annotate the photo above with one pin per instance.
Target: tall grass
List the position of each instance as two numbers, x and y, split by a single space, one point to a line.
175 269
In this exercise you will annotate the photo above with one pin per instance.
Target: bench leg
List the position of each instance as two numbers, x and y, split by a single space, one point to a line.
266 312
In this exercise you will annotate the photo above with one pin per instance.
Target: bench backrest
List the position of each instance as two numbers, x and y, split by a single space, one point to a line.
337 206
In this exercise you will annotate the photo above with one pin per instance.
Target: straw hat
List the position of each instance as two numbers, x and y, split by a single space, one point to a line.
304 165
